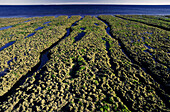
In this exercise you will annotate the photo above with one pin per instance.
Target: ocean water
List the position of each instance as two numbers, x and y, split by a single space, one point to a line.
55 10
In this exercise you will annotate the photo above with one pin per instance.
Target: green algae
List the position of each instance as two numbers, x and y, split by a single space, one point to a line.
87 75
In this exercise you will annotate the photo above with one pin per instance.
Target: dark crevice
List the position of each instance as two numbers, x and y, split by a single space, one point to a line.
65 108
11 61
12 42
27 21
164 28
2 73
86 58
76 67
79 36
96 24
163 20
161 94
148 46
7 45
156 60
47 22
82 28
6 27
74 70
127 103
44 57
39 28
17 105
143 66
74 24
113 66
30 35
38 77
108 29
125 53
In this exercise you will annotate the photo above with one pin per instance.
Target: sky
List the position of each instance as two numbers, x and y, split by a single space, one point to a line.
21 2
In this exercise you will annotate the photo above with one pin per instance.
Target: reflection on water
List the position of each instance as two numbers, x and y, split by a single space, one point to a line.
3 28
7 45
80 35
30 35
39 28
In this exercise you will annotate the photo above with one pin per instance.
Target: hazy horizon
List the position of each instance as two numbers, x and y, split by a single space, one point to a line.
70 2
85 4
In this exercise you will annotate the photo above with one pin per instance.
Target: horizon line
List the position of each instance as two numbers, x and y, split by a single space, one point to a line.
85 3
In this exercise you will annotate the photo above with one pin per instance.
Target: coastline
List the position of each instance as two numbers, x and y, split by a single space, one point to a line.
162 15
70 63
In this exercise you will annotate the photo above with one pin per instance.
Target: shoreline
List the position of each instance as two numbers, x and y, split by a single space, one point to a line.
79 15
85 63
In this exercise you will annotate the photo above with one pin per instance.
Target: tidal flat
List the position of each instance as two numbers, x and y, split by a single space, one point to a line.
103 63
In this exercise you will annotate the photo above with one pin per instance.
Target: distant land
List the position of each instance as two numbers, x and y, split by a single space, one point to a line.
77 3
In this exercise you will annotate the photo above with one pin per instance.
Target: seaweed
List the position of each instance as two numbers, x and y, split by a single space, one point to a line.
85 63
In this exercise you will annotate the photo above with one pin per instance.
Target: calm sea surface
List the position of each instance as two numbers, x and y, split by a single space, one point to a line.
55 10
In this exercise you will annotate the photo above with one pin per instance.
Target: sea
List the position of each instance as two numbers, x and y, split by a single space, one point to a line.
56 10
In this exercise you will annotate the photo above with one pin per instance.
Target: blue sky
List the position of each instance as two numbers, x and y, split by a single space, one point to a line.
85 2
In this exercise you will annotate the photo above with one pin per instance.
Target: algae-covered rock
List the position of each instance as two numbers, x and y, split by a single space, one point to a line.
113 70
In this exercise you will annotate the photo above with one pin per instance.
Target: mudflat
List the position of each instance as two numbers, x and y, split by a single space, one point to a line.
101 63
